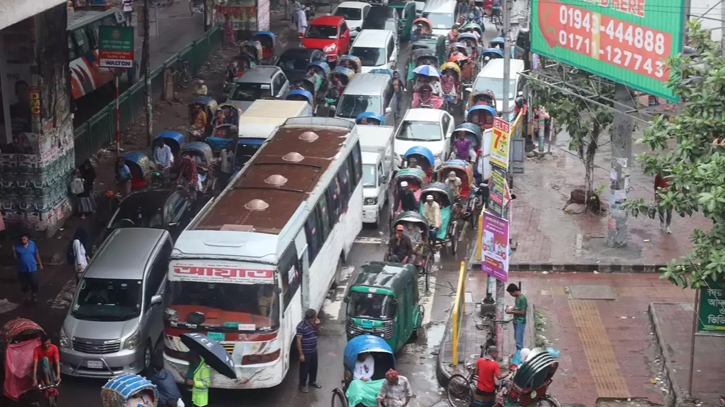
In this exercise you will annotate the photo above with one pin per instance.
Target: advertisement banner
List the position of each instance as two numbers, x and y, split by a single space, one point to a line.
115 47
500 143
242 13
499 195
495 247
626 41
712 308
222 273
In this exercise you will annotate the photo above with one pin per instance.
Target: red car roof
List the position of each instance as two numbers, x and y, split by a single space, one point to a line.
327 20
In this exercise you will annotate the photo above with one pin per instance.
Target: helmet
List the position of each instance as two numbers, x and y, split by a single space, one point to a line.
519 102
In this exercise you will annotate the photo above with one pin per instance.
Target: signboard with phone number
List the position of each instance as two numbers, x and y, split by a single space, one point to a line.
626 41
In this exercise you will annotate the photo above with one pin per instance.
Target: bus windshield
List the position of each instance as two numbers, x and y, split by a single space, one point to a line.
369 305
234 307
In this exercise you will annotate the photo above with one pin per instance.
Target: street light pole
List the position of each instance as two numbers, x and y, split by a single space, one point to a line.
147 72
506 60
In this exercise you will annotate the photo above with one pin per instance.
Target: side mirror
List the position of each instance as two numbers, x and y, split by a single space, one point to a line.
388 110
381 179
156 300
468 89
346 300
392 59
358 29
333 108
277 290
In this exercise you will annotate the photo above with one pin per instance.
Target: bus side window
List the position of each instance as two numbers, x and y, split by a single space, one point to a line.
356 165
334 196
324 212
92 31
344 177
290 273
314 233
81 41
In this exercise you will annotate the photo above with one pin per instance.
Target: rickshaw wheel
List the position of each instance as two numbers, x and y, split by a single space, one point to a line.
452 236
338 398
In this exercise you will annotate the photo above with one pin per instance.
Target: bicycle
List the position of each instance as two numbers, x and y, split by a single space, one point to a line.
51 393
182 77
461 388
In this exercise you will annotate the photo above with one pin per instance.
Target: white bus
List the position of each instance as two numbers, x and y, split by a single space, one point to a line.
269 247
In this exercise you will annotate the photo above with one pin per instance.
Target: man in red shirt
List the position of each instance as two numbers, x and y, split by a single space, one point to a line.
663 185
488 371
45 355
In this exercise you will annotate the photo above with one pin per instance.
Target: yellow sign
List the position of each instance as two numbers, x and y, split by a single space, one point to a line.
500 143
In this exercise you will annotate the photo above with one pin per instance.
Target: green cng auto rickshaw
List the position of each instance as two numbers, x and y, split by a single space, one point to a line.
384 301
405 10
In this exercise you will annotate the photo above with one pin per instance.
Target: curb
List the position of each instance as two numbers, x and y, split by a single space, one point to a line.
678 395
442 374
587 267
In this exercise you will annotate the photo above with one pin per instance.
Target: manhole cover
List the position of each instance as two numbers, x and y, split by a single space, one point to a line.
591 292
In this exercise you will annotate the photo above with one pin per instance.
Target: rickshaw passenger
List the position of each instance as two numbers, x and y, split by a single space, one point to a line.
45 355
448 83
417 32
200 89
336 88
454 182
364 367
313 73
407 200
414 234
188 172
401 248
464 151
364 120
432 213
163 157
467 67
453 35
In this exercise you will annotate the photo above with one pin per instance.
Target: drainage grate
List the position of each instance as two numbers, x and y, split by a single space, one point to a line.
591 292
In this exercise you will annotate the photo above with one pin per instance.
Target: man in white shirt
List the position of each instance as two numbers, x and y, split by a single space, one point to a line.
364 367
226 167
163 157
432 213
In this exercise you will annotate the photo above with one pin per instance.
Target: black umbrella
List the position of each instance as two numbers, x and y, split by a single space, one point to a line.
212 351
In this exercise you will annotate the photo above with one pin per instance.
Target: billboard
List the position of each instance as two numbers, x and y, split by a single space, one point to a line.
626 41
115 48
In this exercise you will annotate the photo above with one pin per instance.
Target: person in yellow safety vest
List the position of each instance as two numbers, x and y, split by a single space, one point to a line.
199 378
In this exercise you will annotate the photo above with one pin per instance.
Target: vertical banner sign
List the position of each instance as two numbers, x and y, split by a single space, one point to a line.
115 47
626 41
712 308
495 243
500 143
499 195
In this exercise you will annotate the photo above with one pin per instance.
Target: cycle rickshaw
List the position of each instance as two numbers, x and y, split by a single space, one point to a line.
421 57
443 195
267 39
140 167
371 118
471 132
416 180
118 391
351 62
18 339
482 116
357 393
201 153
173 139
303 95
455 99
490 53
416 228
424 157
463 170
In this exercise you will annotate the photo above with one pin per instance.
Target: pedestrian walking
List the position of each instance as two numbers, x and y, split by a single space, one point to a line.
86 199
399 89
76 189
395 390
128 11
663 182
488 371
123 177
80 253
198 377
228 28
307 348
28 258
519 313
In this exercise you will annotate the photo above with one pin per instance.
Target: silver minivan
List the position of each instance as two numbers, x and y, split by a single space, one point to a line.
115 322
368 92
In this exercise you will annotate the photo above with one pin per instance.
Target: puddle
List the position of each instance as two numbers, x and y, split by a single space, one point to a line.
434 335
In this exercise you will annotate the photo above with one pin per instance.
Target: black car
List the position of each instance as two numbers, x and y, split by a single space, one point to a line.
381 18
168 209
294 61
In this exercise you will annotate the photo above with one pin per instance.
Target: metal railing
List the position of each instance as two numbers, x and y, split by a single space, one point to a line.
100 130
459 308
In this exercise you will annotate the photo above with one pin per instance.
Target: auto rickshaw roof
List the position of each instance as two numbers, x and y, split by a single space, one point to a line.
277 161
391 278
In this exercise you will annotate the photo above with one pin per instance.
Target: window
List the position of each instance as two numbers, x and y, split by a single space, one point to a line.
81 40
343 28
345 188
420 131
356 165
72 54
175 207
322 32
351 106
324 214
366 11
347 13
278 83
249 92
92 31
157 274
446 122
369 56
109 20
391 47
289 273
334 196
313 233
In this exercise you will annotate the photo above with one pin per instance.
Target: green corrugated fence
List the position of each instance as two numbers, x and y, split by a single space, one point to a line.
100 130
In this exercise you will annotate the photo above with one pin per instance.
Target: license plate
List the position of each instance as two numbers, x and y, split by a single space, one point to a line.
94 364
367 324
217 336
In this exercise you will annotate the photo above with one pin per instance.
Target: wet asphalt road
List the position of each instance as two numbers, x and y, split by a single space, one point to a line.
416 360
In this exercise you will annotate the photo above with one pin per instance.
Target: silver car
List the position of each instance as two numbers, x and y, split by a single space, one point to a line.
115 321
260 82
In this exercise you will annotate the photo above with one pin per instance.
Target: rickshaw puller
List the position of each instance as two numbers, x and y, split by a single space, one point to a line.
487 370
401 248
46 355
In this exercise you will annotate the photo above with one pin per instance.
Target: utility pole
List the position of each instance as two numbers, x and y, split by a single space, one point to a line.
621 164
145 57
505 113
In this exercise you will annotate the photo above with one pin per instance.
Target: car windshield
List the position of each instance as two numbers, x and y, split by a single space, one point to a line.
440 20
496 85
249 92
420 131
349 13
291 64
137 214
369 175
369 56
103 299
322 32
237 307
352 105
372 306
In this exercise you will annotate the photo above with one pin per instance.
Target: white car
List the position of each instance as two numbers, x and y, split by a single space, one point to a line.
376 49
429 128
354 13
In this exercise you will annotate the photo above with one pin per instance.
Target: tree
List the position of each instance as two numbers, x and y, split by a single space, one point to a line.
584 120
695 166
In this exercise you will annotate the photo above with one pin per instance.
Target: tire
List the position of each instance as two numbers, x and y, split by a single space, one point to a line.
338 398
52 402
460 393
184 79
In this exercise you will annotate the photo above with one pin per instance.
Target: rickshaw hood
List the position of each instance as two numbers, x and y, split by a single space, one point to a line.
364 343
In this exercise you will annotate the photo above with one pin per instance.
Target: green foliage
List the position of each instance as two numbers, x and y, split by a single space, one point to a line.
683 149
584 121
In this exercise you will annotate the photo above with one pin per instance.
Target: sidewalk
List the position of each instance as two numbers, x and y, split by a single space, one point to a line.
672 323
551 239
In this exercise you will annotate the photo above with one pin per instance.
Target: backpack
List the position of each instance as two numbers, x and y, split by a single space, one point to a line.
70 254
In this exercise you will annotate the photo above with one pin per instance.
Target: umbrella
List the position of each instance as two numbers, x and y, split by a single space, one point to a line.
427 70
212 351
